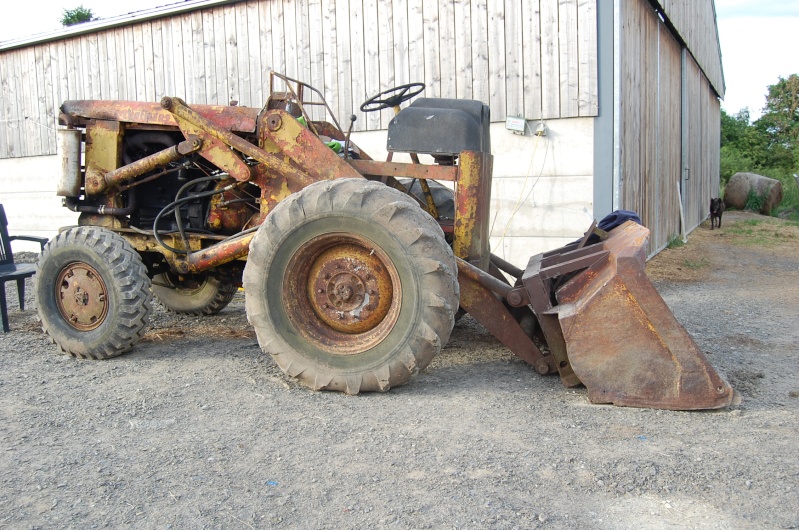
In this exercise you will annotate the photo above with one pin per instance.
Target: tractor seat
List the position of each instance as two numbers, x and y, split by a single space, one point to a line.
439 127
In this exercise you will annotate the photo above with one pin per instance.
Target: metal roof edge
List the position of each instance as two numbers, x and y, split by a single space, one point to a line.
113 22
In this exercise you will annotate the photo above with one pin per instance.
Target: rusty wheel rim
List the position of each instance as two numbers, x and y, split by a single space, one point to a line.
82 296
342 293
187 286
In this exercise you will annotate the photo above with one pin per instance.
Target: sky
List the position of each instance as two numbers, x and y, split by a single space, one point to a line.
759 43
759 38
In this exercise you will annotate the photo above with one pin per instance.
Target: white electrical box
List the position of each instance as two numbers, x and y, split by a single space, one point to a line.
517 125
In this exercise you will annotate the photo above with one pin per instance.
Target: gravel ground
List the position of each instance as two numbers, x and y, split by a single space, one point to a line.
195 428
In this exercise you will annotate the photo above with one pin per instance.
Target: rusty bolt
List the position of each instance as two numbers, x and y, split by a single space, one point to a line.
542 367
514 299
274 122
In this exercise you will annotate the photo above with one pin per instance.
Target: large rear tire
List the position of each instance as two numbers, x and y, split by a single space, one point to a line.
350 286
196 295
93 293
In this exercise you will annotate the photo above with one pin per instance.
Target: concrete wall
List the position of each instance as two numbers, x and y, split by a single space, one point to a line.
542 195
27 192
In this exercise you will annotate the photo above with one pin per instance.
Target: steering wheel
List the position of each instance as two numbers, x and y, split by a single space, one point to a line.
392 97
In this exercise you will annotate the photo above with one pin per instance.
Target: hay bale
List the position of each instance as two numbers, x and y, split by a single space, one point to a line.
736 194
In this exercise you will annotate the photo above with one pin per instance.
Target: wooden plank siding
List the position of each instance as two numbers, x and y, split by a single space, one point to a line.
651 125
663 149
535 58
695 22
702 135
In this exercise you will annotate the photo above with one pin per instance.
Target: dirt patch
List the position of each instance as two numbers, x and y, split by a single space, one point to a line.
196 428
740 231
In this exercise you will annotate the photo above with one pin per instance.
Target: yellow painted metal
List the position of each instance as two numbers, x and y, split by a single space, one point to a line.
305 149
149 163
472 203
103 153
214 148
181 111
432 209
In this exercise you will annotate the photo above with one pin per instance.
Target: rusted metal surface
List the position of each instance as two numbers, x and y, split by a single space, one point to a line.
432 209
401 170
304 148
229 212
623 342
480 301
82 297
97 183
237 119
506 267
472 208
484 279
539 292
349 289
342 292
275 164
225 251
215 139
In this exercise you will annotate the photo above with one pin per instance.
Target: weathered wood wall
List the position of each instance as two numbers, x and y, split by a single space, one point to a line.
662 146
702 130
695 22
535 58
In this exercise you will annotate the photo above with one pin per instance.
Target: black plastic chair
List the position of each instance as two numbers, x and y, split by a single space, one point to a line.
13 271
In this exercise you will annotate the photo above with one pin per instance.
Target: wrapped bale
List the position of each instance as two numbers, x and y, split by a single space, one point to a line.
737 192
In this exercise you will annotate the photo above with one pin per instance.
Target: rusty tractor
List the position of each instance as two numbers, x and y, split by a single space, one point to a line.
354 270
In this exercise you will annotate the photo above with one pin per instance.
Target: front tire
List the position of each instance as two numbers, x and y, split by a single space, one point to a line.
350 286
93 293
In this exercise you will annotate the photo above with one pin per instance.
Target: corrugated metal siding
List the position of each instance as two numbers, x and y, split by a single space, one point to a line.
536 58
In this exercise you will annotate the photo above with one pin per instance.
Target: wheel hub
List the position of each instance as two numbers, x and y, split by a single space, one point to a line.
82 296
342 292
349 289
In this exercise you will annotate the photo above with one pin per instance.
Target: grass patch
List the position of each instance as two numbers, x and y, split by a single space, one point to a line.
675 242
763 231
696 264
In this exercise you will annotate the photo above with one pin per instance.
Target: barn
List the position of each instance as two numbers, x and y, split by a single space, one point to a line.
595 106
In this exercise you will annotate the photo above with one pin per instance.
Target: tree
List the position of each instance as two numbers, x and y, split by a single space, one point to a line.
78 15
743 146
780 122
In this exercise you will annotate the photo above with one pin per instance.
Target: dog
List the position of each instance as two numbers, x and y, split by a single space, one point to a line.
716 209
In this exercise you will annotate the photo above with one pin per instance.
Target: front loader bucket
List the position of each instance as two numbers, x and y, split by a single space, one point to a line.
610 329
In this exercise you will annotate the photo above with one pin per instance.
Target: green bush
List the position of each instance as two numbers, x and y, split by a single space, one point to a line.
78 15
754 201
789 207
